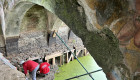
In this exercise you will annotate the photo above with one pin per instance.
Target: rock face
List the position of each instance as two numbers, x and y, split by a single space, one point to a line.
7 73
109 30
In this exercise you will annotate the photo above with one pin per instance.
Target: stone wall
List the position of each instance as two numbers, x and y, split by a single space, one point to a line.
33 44
36 36
12 45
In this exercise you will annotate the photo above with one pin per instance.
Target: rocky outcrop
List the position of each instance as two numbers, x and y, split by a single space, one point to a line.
8 73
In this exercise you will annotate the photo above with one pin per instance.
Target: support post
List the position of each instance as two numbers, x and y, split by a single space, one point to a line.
70 58
85 51
77 52
72 55
67 59
53 62
61 58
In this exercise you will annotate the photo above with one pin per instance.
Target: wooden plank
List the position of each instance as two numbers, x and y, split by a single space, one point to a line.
77 52
68 51
72 50
53 61
53 55
67 58
61 57
34 58
48 61
70 58
72 54
85 51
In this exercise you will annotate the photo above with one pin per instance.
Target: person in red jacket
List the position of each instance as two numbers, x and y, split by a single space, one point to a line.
44 68
31 66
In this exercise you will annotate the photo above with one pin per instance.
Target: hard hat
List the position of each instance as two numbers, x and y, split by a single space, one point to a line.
21 62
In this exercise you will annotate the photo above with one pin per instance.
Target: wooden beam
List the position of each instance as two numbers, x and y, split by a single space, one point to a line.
53 61
56 54
70 58
61 59
72 50
34 58
85 51
77 52
67 57
69 51
72 54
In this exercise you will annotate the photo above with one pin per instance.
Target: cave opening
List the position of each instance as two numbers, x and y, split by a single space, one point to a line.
109 29
38 40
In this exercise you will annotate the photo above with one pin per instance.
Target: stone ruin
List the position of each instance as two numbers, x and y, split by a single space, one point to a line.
109 30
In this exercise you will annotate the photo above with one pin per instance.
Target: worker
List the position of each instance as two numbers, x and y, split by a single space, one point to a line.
31 66
44 68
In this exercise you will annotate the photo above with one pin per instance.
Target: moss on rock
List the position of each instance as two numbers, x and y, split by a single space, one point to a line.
104 47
